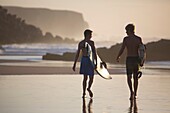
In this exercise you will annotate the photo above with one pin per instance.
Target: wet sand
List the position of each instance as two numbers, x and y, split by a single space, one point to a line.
62 94
52 87
23 67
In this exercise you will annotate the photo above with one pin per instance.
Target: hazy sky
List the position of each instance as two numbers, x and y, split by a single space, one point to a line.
107 18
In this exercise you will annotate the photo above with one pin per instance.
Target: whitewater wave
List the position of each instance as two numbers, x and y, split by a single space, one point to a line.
38 49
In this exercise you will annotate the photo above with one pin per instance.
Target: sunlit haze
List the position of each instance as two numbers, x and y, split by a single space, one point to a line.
107 18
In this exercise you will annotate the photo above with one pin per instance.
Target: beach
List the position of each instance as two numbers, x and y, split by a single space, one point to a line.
52 87
25 67
41 40
62 94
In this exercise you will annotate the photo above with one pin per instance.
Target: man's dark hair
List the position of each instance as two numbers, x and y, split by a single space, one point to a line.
130 27
87 31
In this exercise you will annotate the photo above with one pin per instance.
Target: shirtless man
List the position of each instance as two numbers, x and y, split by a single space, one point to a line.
131 42
86 67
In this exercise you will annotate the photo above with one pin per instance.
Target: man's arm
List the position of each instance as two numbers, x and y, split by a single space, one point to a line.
121 51
141 41
76 58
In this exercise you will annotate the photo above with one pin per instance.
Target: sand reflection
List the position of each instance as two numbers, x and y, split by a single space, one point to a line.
89 106
133 106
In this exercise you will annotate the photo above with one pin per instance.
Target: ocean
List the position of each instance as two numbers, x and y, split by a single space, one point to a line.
34 52
38 49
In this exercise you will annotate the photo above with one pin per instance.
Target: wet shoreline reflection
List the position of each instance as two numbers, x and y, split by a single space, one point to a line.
133 106
89 106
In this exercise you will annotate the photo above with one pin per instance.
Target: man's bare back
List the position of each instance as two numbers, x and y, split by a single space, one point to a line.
132 44
83 48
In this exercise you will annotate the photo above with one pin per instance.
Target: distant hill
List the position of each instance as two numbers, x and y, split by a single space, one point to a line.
59 22
156 51
159 50
14 29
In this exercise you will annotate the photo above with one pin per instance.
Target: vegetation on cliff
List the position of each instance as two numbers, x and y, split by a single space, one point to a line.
65 23
14 29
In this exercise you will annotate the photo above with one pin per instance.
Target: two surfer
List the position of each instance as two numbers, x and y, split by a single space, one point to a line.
131 42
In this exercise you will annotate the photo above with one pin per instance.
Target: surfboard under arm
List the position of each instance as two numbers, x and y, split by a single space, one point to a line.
100 66
142 54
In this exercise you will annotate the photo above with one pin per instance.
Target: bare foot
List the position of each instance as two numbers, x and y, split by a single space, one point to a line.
83 95
135 95
90 92
131 96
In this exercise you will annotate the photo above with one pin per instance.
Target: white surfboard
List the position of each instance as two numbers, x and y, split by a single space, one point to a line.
142 54
101 66
142 57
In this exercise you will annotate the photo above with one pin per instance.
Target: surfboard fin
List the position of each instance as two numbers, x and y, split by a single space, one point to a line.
139 74
103 64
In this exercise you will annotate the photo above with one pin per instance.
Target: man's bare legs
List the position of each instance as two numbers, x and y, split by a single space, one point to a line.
135 77
129 81
84 85
89 85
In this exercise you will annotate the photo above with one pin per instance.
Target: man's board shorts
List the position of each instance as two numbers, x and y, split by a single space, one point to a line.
86 67
132 65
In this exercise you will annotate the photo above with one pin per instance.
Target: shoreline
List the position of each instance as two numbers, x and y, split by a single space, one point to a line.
34 70
25 67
